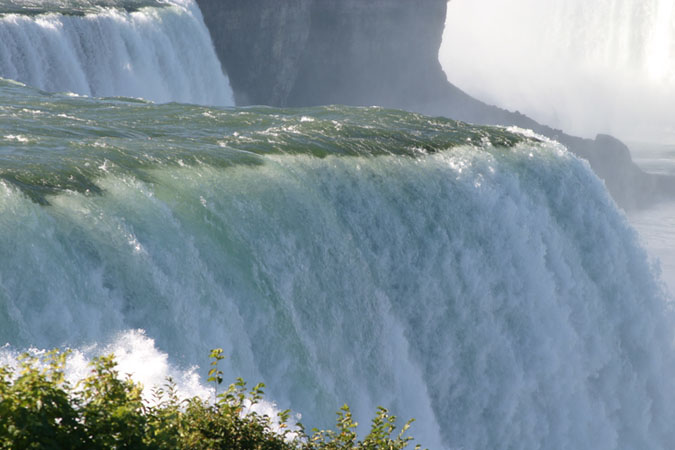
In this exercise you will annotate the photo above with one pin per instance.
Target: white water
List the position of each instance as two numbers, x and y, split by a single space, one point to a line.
584 66
136 354
500 299
160 54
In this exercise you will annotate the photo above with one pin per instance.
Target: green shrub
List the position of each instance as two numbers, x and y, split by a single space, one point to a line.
39 409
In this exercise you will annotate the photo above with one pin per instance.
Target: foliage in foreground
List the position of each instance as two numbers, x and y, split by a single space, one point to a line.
40 409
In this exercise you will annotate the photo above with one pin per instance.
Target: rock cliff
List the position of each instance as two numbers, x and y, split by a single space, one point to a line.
378 52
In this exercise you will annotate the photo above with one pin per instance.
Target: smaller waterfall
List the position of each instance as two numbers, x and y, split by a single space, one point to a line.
161 54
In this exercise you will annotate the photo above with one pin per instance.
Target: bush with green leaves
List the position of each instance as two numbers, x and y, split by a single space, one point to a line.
40 409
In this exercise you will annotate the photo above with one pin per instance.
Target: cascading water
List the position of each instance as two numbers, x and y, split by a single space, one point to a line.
477 279
157 52
586 67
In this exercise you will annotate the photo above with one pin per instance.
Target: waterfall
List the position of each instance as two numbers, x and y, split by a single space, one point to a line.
478 279
159 53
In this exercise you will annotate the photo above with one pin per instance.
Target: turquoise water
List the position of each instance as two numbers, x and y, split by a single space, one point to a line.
478 279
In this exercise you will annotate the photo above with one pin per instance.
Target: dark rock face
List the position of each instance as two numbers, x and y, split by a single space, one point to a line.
375 52
260 44
379 52
316 52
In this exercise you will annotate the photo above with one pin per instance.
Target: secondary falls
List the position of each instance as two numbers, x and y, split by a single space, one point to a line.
606 66
160 52
478 279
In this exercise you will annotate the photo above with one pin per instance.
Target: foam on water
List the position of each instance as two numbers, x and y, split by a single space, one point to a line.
136 355
161 54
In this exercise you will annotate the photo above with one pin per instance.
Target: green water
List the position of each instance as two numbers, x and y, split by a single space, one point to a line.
53 142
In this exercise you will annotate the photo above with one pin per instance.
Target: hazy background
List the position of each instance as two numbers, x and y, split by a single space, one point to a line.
583 66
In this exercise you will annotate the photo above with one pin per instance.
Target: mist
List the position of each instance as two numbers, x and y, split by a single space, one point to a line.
606 66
